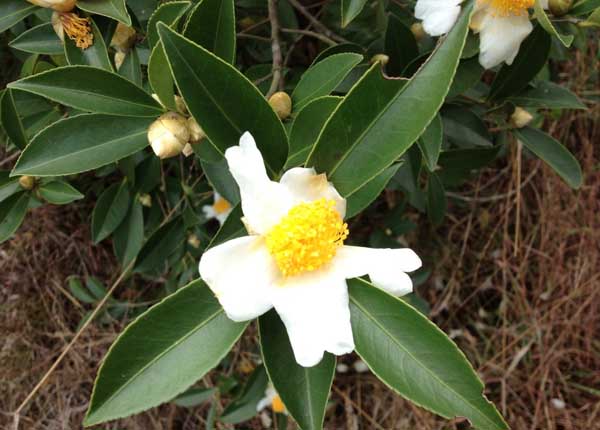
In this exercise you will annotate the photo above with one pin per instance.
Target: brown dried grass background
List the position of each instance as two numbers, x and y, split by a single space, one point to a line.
521 298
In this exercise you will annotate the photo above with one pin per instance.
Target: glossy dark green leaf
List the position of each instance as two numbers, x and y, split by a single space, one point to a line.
211 24
129 236
366 134
338 49
244 406
220 97
467 76
464 128
115 9
221 179
13 11
194 397
180 339
436 200
307 126
364 196
540 14
59 192
232 228
110 210
160 78
12 212
351 9
548 95
39 40
11 122
81 143
532 56
303 390
156 251
96 55
168 13
583 7
91 89
131 67
8 185
430 143
323 77
400 46
79 291
553 153
416 359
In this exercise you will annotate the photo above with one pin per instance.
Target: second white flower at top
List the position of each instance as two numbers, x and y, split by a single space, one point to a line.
294 258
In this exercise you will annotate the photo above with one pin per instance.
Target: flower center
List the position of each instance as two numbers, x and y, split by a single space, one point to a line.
221 206
510 7
277 405
78 29
307 237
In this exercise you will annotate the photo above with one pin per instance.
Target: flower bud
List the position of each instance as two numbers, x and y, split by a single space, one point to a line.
57 5
119 59
145 200
560 7
168 135
187 150
181 107
418 31
196 132
380 58
520 118
281 104
123 38
193 241
27 182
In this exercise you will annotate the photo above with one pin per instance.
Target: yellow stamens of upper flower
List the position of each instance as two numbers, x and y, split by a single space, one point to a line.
221 206
510 7
277 405
78 29
307 237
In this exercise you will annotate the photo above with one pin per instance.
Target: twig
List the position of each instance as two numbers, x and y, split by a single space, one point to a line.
277 81
518 198
314 34
317 24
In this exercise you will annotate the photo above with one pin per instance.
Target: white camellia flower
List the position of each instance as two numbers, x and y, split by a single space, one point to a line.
219 210
294 258
501 24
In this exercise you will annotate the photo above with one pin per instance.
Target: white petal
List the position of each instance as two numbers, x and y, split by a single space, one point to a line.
264 202
241 273
386 267
314 309
209 211
306 186
222 216
438 16
501 38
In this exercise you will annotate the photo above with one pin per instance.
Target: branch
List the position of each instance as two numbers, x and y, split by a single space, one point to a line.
277 81
316 23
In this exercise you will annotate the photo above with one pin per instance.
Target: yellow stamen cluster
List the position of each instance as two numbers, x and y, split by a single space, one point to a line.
277 405
221 206
78 29
307 237
510 7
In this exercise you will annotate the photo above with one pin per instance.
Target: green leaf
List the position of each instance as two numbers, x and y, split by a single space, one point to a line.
110 210
415 358
351 9
211 24
194 397
220 97
91 89
307 126
400 46
154 254
430 143
11 122
540 15
79 291
532 56
467 76
160 77
131 68
464 128
12 212
583 7
59 192
553 153
303 390
436 200
39 40
96 55
180 339
244 407
81 143
548 95
13 11
8 185
115 9
221 179
383 117
232 228
361 198
129 236
169 13
593 20
323 77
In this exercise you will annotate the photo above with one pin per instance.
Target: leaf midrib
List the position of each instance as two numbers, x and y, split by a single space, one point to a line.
443 383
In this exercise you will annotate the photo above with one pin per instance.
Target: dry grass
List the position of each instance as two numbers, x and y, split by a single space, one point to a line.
516 284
